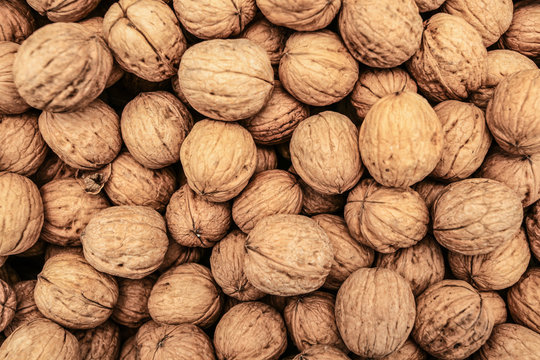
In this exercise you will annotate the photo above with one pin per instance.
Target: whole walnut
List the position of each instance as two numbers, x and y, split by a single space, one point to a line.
316 203
428 5
8 304
409 351
509 342
41 339
218 159
22 148
177 255
226 79
524 299
26 309
154 125
532 222
475 216
131 309
266 159
145 38
10 100
74 294
513 114
101 342
52 168
270 37
21 214
186 294
250 331
523 35
287 255
303 15
62 67
401 139
495 306
386 219
321 352
380 294
451 62
316 68
63 11
126 241
17 21
429 190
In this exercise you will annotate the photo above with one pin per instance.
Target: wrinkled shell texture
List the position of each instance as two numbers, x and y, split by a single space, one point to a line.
266 159
126 241
102 342
386 219
303 15
63 11
495 305
17 21
511 341
62 67
316 68
468 222
145 38
409 351
428 5
226 79
218 158
523 35
451 62
316 203
52 168
10 100
429 190
26 310
8 304
270 37
533 230
177 255
131 309
321 352
287 255
524 300
129 349
375 312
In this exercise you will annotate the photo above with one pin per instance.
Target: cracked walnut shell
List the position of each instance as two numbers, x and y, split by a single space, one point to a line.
303 15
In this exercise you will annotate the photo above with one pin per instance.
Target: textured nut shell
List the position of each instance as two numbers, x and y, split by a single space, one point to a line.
429 190
154 125
523 35
409 351
177 255
74 294
316 203
226 79
509 342
26 310
10 100
428 5
375 293
524 300
131 309
17 21
303 15
495 305
52 168
316 68
9 275
126 241
218 159
129 349
63 11
21 214
38 249
186 294
401 139
321 352
287 255
22 149
532 222
451 62
266 159
145 38
62 67
270 37
8 304
250 331
102 342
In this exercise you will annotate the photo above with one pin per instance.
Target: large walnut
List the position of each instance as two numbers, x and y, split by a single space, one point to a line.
26 310
429 190
270 37
131 309
303 15
495 305
428 5
523 35
17 21
10 100
266 159
101 342
509 342
8 304
533 229
63 11
321 352
524 300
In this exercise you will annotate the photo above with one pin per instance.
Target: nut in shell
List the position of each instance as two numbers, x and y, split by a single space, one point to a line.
523 35
10 100
101 342
63 11
270 37
17 21
303 15
510 341
131 309
523 300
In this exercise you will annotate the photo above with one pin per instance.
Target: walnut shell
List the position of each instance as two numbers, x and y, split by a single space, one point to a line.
495 306
510 341
524 300
321 352
102 342
250 330
429 190
304 15
218 159
8 304
63 11
129 349
523 35
226 79
266 159
428 5
52 168
26 310
131 309
177 255
287 255
316 203
532 222
10 100
8 274
316 68
451 62
409 351
17 21
375 293
270 37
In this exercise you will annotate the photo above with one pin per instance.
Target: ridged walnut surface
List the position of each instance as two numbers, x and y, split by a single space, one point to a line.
17 21
26 310
321 352
428 5
533 229
409 351
524 300
266 159
63 10
316 203
302 15
8 304
270 37
495 305
509 342
177 255
101 342
131 309
429 190
523 35
10 100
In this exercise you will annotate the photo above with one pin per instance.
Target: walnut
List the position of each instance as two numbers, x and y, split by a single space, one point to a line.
428 5
270 37
63 11
102 342
177 255
10 100
429 190
304 15
266 159
129 349
533 229
26 309
8 274
321 352
510 341
131 309
17 21
523 298
8 304
52 168
523 35
409 351
316 203
495 306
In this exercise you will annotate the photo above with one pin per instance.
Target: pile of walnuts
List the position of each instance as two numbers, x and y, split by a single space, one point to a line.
269 179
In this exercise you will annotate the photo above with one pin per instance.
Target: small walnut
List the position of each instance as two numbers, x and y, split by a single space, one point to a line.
303 15
429 190
495 306
102 342
131 309
409 351
129 349
509 342
8 304
533 229
26 310
52 168
17 21
428 5
524 300
266 159
270 37
321 352
177 255
316 203
63 11
10 100
523 35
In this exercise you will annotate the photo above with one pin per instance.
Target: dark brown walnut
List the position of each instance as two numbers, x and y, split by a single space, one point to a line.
409 351
22 148
422 265
532 222
276 301
93 181
373 84
21 214
513 114
129 349
349 254
316 203
287 255
62 10
283 150
510 341
218 159
177 255
41 339
52 168
72 293
381 44
386 219
62 67
126 241
101 342
379 294
38 249
523 35
321 352
468 221
428 5
429 190
186 294
10 100
451 62
8 304
266 159
26 309
495 306
524 300
304 15
145 38
401 139
466 140
131 309
249 331
154 125
270 37
316 68
275 123
9 275
227 264
17 21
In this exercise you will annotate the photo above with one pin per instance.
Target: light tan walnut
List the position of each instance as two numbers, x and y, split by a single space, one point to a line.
495 305
10 100
509 342
523 35
524 299
303 15
270 37
62 10
101 342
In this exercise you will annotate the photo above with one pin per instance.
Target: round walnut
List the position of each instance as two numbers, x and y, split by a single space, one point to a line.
8 304
409 351
26 310
17 21
316 68
287 255
177 255
321 352
126 241
131 309
533 229
428 5
509 342
21 214
72 293
63 11
513 115
316 203
523 35
145 38
451 62
304 15
226 79
266 159
429 190
218 159
62 67
524 300
250 330
475 216
22 149
102 342
372 211
270 37
154 125
195 222
52 168
375 293
10 100
186 294
495 306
